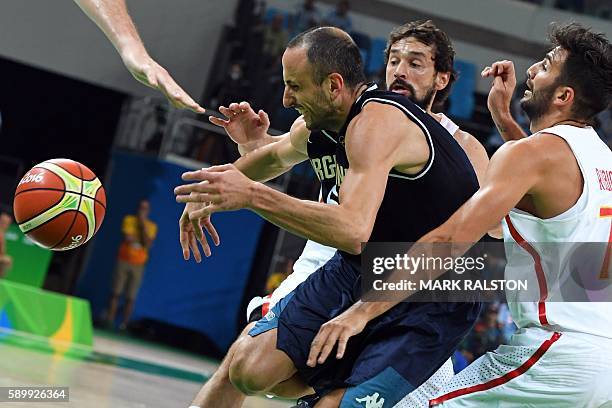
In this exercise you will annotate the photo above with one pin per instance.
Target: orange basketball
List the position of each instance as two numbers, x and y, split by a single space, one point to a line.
59 204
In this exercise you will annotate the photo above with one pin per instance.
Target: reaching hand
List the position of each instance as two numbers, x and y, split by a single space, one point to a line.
153 75
215 189
338 330
502 88
243 125
190 231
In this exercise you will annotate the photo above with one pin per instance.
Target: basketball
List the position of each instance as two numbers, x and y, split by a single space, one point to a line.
59 204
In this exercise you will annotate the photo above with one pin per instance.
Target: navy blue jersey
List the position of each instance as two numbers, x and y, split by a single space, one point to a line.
321 148
415 204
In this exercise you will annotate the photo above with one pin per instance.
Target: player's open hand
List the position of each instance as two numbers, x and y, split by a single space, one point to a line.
337 331
191 232
221 188
502 87
242 124
153 75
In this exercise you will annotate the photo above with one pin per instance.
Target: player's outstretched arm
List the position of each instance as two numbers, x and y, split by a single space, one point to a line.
511 175
373 141
112 17
262 164
500 97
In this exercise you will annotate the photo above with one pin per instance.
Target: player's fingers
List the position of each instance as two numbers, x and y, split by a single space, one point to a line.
330 343
201 175
219 168
184 240
204 243
226 111
317 345
244 106
218 121
342 341
193 197
202 212
193 244
498 82
235 108
486 72
176 94
263 116
212 231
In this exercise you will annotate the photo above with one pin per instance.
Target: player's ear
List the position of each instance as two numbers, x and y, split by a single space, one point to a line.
442 79
564 96
334 84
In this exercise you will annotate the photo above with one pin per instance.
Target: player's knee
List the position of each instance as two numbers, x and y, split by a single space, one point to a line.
245 371
240 369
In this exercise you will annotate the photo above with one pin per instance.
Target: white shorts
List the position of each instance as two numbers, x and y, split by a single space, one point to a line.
539 368
420 397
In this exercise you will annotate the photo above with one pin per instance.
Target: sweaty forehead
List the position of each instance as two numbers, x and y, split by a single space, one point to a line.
296 67
411 45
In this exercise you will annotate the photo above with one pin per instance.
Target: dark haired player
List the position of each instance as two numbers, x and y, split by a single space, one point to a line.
389 152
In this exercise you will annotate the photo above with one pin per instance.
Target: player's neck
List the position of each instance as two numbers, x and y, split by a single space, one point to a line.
550 120
345 108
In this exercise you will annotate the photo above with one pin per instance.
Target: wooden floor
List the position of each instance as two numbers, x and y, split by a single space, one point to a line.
120 372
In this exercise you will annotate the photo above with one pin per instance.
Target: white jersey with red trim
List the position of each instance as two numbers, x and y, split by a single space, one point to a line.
589 220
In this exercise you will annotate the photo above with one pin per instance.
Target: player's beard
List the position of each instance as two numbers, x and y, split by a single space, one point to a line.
423 102
322 116
539 103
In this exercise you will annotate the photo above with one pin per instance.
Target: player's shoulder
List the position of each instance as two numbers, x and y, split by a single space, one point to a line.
384 115
539 151
544 145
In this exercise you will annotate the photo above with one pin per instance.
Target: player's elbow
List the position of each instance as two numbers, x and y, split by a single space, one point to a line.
353 247
357 240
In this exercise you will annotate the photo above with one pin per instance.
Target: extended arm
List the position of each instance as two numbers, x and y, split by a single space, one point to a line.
372 142
112 17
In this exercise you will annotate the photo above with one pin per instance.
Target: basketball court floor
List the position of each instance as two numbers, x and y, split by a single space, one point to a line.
119 372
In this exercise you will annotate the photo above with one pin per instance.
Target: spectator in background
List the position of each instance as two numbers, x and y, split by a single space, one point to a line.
5 259
307 16
139 232
275 38
339 17
234 87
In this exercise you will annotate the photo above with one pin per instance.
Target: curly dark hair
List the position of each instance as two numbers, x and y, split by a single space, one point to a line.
425 31
587 68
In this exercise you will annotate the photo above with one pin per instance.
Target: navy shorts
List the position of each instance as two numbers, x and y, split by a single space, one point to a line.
394 354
